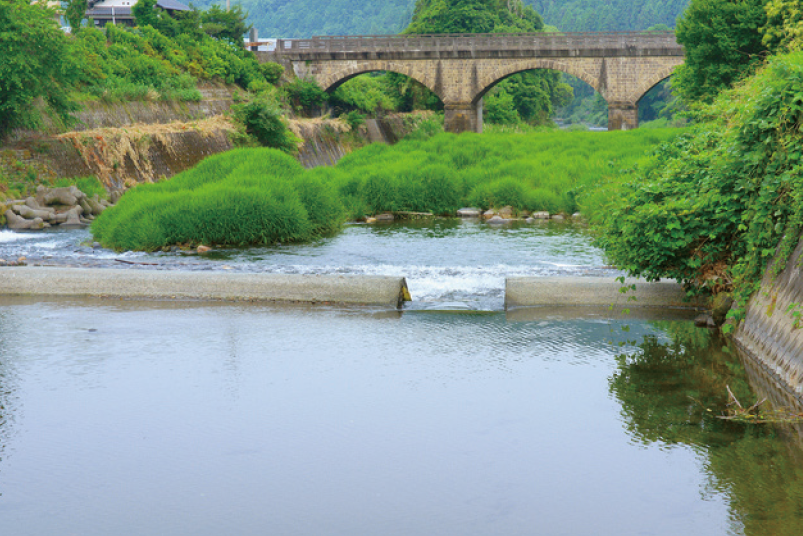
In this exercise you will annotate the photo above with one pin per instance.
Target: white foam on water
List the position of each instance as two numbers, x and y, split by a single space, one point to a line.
11 236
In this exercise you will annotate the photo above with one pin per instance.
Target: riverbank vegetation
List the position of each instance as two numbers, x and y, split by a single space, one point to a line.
262 196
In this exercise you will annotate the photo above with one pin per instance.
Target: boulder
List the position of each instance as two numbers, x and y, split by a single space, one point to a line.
370 220
469 212
557 217
28 213
69 195
541 215
95 205
497 220
506 212
203 249
488 214
74 218
16 222
385 216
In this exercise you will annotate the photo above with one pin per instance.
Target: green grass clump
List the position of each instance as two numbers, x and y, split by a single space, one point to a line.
554 171
260 196
242 197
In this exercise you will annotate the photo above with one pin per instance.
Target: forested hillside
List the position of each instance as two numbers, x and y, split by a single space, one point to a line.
305 18
608 15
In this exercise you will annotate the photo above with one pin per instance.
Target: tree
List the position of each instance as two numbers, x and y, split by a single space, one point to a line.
723 45
34 64
74 11
226 24
145 13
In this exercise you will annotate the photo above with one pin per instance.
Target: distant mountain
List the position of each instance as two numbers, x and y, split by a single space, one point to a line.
305 18
608 15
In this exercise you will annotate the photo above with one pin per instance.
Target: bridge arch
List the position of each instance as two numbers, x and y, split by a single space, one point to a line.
332 81
487 82
653 80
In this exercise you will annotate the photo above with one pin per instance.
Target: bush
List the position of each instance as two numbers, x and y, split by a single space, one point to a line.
712 207
271 71
242 197
265 122
305 94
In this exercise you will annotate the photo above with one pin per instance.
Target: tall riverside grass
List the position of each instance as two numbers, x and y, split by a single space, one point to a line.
242 197
554 171
261 196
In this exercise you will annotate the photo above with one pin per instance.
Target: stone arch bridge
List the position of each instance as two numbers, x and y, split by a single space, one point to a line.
461 68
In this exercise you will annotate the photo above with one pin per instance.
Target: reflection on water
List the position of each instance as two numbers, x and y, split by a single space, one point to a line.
208 419
671 394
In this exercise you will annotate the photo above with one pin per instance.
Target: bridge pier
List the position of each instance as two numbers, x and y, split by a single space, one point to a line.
622 115
462 117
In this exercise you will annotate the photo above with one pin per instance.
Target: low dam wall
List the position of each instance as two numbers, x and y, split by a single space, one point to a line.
152 284
772 331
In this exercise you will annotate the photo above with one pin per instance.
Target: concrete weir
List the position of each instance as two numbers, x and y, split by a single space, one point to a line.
151 284
591 291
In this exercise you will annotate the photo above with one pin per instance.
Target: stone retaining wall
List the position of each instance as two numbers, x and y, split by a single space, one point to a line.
768 333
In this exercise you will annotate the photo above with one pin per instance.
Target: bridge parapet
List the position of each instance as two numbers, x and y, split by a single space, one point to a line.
444 46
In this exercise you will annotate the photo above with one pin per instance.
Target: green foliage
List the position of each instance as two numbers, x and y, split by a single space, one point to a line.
305 95
723 45
610 15
354 119
271 71
305 18
242 197
473 16
784 27
369 94
227 25
34 63
144 63
89 185
712 207
265 121
539 171
74 11
144 12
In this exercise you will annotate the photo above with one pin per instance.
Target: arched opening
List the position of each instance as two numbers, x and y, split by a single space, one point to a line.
660 107
524 97
374 93
587 109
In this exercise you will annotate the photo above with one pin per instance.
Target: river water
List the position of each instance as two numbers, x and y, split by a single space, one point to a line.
131 418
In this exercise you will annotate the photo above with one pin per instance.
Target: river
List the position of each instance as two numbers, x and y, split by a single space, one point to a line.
129 418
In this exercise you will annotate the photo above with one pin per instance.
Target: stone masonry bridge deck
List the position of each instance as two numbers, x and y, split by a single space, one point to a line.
461 68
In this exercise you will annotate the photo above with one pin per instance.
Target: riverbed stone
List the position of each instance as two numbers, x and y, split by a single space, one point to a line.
469 212
385 217
68 195
203 249
506 212
497 220
541 215
488 214
557 217
95 205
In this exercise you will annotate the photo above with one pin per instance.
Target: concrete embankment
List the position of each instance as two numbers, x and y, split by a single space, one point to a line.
770 333
152 284
592 291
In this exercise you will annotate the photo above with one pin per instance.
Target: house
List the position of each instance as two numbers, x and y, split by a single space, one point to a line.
119 11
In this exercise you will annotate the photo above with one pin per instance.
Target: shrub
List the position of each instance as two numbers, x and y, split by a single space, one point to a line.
243 197
271 71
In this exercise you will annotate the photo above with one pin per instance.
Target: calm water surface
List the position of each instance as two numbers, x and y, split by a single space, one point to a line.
133 418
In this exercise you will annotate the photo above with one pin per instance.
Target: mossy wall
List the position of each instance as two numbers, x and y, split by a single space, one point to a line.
772 331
